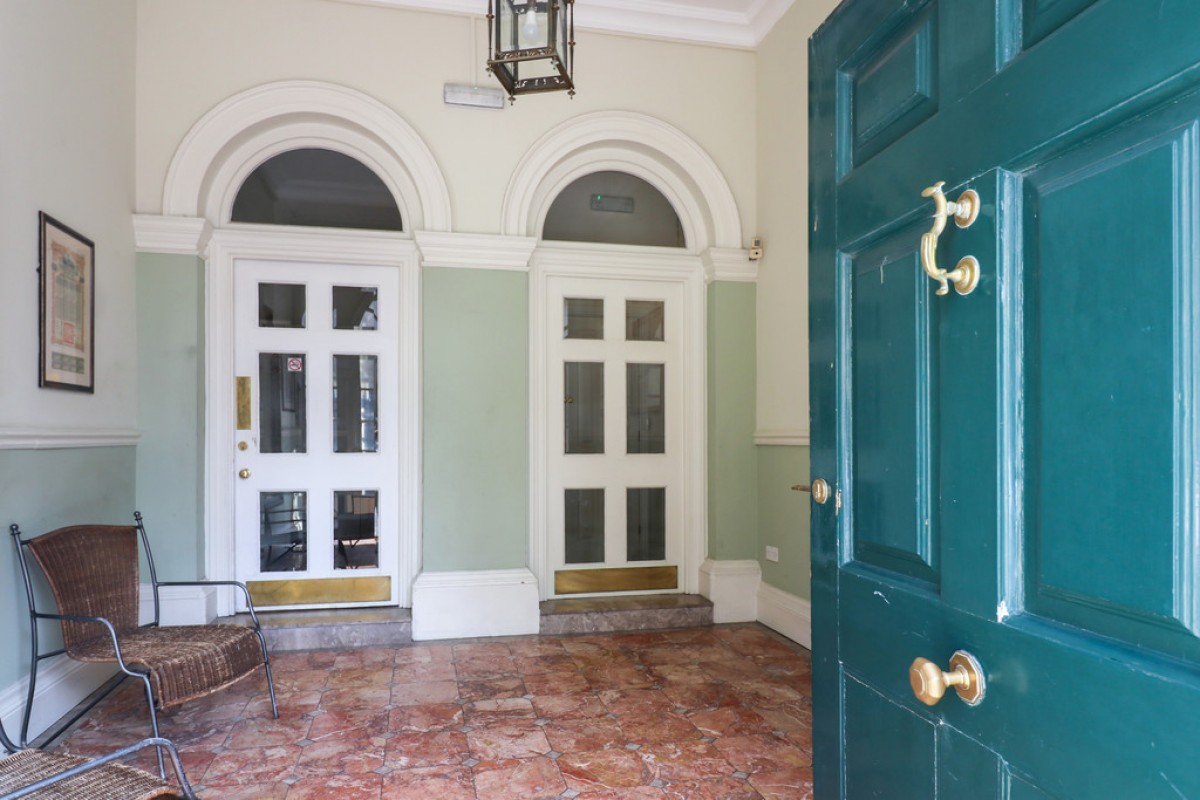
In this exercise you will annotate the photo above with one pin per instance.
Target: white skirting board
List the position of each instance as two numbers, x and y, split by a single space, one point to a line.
459 605
786 613
732 586
61 685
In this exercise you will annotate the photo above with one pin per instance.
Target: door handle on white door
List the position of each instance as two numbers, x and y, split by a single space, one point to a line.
243 474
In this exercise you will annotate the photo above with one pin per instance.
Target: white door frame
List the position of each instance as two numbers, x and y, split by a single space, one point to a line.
630 264
322 246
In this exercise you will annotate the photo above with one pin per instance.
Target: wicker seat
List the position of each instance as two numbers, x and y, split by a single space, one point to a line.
92 571
39 775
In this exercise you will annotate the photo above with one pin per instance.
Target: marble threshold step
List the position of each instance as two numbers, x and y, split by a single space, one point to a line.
385 627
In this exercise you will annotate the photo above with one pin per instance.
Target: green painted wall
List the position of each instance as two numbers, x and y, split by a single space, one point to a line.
732 464
783 518
475 337
47 489
170 453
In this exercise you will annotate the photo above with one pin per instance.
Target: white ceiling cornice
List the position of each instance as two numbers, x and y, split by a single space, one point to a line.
728 23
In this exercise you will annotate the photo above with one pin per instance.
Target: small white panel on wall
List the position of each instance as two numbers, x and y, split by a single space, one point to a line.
178 605
732 586
458 605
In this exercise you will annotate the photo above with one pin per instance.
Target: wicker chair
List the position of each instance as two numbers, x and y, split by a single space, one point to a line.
39 775
92 571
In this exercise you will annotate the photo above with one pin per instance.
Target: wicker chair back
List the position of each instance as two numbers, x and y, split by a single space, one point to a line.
93 572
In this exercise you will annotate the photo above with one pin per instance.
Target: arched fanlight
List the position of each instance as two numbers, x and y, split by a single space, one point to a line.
532 45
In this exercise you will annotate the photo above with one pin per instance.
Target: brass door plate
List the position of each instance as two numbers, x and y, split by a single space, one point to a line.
320 591
243 403
619 579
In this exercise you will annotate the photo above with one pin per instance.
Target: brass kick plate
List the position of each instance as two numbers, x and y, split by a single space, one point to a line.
321 590
620 579
243 403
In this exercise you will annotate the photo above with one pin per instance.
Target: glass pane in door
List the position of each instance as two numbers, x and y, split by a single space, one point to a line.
282 403
355 308
355 529
646 524
645 420
584 534
283 531
583 407
644 320
355 400
282 305
583 318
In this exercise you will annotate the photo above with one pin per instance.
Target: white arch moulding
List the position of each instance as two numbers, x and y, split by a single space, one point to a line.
242 132
629 142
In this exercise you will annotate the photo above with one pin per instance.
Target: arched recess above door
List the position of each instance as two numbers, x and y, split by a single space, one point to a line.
245 130
625 141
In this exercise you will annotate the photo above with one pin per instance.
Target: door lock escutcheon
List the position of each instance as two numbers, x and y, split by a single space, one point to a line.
929 683
819 489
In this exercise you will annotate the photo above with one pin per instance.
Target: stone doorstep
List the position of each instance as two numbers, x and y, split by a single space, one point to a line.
384 627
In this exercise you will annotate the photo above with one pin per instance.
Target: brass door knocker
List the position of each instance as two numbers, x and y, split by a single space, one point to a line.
965 274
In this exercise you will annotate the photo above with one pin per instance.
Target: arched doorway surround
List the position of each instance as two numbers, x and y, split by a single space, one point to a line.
242 132
213 160
625 141
677 166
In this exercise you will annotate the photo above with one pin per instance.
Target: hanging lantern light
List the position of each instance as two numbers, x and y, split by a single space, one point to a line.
532 45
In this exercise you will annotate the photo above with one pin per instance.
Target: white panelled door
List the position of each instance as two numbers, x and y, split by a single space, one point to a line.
615 464
316 460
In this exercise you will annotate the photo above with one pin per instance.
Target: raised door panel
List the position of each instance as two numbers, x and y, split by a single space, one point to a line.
891 85
1040 18
1111 439
889 749
888 333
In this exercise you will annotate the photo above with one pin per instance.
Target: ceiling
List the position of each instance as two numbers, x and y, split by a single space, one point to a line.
732 23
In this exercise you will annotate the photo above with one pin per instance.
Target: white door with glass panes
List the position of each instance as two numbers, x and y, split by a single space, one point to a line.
615 466
316 442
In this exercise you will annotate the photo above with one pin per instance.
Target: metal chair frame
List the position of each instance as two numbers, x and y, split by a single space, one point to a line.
133 672
161 744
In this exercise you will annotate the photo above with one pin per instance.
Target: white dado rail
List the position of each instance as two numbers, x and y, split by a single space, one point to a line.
66 438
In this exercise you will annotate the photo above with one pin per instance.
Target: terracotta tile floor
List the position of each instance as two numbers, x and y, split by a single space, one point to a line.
720 712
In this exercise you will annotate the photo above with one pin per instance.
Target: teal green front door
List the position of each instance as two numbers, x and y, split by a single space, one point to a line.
1015 471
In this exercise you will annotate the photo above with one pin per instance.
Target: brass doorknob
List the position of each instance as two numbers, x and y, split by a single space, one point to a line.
819 489
243 474
929 683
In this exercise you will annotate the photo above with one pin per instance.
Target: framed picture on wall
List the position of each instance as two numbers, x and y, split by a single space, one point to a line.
67 326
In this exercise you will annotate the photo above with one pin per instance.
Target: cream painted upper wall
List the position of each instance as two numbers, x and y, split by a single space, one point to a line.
192 55
783 219
66 148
